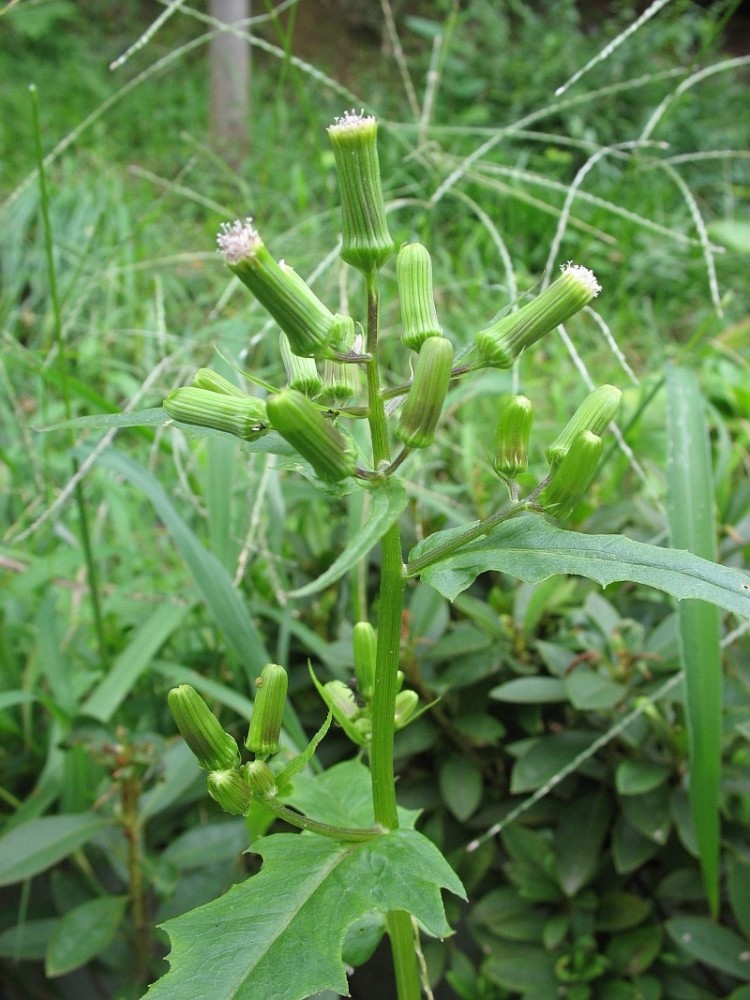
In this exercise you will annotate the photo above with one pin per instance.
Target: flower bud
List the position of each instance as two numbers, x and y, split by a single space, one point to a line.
424 404
512 437
316 439
414 276
268 710
201 730
367 243
363 729
341 700
230 790
365 645
406 705
340 379
260 778
501 343
594 414
308 324
301 373
244 416
572 477
210 380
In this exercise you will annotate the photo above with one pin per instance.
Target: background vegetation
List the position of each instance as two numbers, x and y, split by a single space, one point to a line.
639 170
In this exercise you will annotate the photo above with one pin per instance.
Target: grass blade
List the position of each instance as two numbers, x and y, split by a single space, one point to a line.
224 603
133 660
692 527
222 600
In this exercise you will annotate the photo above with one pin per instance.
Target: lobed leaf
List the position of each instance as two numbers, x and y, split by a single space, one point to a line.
532 549
279 935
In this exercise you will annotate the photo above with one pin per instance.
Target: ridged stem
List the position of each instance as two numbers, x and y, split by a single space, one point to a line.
390 609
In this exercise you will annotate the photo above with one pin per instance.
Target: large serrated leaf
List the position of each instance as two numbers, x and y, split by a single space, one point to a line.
279 934
532 549
387 504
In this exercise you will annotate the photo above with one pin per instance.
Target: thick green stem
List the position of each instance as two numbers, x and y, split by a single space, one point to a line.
390 609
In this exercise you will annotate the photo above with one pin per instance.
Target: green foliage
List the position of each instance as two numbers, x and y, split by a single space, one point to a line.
309 889
559 742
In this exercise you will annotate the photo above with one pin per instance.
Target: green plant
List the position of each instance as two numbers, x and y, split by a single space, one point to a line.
206 596
349 838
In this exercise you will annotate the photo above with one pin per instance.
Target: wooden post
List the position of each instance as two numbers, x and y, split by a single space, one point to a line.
230 83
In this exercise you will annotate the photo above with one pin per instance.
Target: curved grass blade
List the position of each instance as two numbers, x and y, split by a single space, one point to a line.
692 526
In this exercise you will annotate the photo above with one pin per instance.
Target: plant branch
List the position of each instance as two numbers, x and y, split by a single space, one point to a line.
452 545
302 822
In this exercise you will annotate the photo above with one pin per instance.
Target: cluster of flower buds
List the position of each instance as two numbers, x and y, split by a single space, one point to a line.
351 704
213 401
230 783
503 341
574 455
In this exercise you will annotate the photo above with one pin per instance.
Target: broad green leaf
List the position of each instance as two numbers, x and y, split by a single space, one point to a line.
505 913
634 777
83 933
590 691
205 844
632 952
530 691
583 825
717 946
649 813
531 548
523 969
690 501
279 935
630 848
461 785
146 641
27 942
41 843
546 756
619 910
387 503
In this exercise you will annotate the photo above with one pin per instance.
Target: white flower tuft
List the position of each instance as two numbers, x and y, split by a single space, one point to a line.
584 275
352 120
238 241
